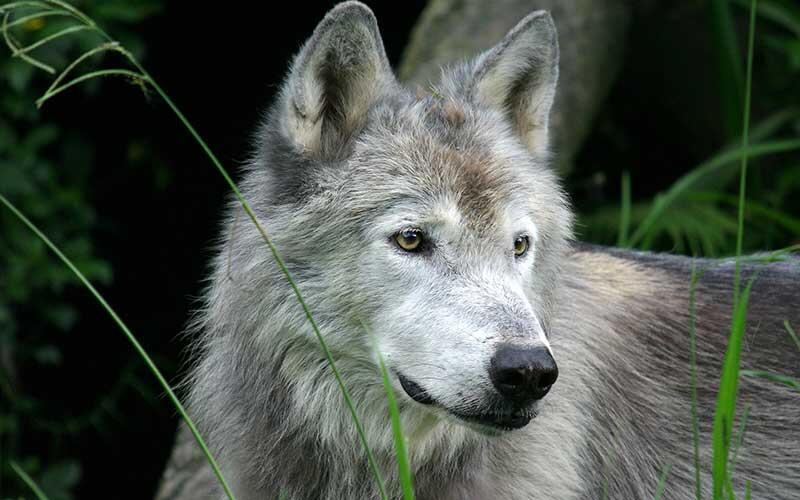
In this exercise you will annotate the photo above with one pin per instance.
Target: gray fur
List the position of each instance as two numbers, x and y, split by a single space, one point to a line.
346 158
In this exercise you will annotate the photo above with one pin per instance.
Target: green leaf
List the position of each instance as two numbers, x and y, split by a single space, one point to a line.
727 395
662 481
792 333
782 14
774 377
404 469
37 491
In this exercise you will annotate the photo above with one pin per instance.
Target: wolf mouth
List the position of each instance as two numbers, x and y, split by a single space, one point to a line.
504 421
415 391
498 421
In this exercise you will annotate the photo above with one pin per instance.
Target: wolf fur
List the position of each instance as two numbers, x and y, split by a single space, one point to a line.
346 158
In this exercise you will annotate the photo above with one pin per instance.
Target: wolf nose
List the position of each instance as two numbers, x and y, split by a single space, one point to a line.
523 373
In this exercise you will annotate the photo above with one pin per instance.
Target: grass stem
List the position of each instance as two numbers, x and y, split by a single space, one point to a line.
143 76
128 334
28 480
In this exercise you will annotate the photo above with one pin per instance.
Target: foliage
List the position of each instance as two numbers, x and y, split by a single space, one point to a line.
700 218
83 23
45 169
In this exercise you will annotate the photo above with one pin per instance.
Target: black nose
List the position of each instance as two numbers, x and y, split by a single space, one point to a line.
523 373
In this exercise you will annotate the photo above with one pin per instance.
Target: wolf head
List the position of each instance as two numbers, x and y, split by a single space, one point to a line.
423 225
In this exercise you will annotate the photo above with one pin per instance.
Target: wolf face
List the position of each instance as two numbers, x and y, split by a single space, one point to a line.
425 224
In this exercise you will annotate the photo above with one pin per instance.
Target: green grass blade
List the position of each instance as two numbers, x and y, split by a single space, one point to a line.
625 210
792 333
745 138
662 481
282 266
15 48
726 397
88 76
742 429
28 480
138 347
767 127
404 470
774 377
737 447
55 36
25 3
72 10
775 256
754 208
781 14
729 382
37 15
709 167
698 485
145 77
89 53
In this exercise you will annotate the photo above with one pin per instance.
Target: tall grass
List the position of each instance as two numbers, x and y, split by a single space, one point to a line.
140 75
698 485
129 335
791 333
722 484
662 481
403 467
637 225
729 381
28 480
687 183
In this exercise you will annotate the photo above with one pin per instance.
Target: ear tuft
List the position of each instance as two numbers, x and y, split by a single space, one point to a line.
518 76
338 74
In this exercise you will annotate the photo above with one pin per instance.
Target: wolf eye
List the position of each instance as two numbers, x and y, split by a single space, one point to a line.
520 246
409 240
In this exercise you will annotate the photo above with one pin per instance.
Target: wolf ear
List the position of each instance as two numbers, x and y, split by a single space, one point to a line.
519 75
337 75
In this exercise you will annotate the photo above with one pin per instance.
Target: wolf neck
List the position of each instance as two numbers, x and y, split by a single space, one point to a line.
293 434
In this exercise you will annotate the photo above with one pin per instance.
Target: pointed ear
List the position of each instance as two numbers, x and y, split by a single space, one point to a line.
519 75
336 77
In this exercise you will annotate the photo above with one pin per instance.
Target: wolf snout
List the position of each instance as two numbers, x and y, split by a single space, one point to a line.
522 374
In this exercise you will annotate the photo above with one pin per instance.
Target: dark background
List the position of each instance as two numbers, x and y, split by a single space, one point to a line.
118 181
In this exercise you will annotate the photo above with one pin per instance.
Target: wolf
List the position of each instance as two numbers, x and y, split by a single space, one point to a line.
426 229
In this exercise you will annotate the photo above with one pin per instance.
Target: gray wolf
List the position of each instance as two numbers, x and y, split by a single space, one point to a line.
527 365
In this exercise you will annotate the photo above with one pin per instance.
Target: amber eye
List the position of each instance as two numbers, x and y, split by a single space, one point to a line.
520 246
409 240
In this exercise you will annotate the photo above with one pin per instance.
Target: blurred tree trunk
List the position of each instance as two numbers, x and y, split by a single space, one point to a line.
592 38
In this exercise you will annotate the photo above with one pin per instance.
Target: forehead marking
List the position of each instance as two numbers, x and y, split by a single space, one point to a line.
478 185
